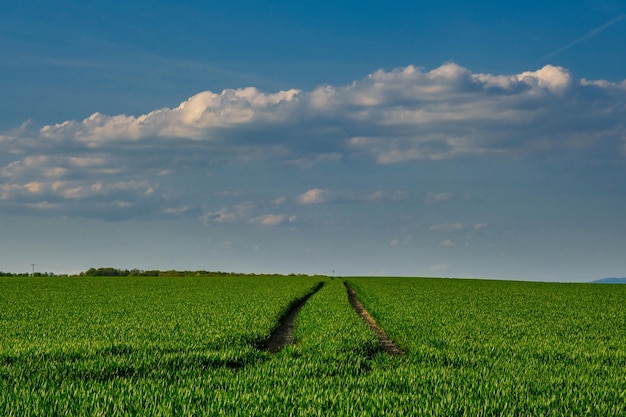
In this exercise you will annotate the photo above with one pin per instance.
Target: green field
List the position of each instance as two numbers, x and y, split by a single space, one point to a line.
170 346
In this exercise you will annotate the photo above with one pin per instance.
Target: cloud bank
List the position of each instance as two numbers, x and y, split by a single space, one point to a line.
130 164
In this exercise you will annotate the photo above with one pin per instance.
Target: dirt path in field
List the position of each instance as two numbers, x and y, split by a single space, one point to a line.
282 335
385 343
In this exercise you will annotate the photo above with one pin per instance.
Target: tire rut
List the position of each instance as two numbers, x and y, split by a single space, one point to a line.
385 343
282 335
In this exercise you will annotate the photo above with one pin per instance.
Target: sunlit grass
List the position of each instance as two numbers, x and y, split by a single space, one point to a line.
186 346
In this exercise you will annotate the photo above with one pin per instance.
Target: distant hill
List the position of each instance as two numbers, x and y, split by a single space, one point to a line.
610 281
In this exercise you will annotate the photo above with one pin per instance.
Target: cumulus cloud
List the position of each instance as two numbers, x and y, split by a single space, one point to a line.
394 116
200 118
314 196
390 117
551 78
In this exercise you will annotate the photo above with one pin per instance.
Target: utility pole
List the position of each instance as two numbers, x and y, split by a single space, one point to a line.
33 269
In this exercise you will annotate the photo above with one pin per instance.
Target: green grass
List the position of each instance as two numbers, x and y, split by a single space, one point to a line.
506 348
183 346
131 345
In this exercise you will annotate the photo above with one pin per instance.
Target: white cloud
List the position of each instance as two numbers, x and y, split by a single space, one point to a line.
318 196
100 188
402 116
394 116
314 196
273 219
195 118
443 113
448 243
603 84
77 191
279 200
176 210
554 79
34 187
245 213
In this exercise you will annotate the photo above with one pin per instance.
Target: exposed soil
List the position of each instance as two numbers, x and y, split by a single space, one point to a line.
282 335
385 343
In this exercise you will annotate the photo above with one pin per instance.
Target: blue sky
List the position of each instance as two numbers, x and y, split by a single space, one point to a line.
459 139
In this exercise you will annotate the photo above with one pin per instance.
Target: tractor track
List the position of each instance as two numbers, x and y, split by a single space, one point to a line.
282 335
386 344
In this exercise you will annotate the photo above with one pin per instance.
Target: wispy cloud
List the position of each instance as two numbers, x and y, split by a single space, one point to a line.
318 196
447 227
588 35
273 219
448 243
434 198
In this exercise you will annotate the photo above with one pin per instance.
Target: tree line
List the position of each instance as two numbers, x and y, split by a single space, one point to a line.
28 274
117 272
